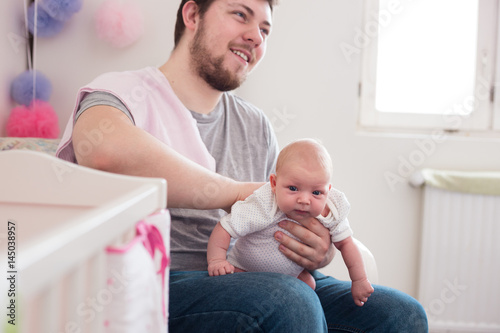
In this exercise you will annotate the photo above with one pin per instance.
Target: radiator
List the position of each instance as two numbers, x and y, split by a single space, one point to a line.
459 283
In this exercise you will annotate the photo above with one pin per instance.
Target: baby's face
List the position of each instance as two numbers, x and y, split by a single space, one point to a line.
301 191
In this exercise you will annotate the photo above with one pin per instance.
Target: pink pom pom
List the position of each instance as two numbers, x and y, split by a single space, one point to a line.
36 121
119 23
21 122
46 122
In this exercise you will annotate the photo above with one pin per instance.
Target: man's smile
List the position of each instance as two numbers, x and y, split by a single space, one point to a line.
243 54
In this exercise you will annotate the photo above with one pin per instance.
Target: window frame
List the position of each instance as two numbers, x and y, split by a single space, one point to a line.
485 119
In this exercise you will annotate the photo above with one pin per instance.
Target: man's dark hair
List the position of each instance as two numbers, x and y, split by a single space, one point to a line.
203 6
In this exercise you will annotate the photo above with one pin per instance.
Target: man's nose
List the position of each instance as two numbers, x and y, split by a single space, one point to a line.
254 35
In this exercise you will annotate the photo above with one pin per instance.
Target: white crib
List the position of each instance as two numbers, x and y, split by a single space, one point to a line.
60 217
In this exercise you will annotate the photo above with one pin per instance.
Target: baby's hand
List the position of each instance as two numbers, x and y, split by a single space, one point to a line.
361 290
220 267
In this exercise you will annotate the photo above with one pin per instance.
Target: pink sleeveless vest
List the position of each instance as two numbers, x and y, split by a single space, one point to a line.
155 108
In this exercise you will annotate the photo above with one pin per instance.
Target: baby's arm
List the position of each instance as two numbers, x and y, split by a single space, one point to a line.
218 243
361 288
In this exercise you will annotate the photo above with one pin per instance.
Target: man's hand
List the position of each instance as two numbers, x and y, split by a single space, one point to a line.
315 249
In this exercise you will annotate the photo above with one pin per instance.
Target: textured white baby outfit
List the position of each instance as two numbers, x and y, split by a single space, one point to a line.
254 221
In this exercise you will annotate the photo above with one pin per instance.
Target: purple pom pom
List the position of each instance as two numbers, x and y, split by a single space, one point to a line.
46 25
61 10
21 88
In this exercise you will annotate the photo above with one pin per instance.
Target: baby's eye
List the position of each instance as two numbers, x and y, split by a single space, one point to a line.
316 192
292 188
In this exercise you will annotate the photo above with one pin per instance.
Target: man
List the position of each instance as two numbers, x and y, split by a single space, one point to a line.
217 44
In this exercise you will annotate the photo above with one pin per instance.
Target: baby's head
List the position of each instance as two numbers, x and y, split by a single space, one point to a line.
302 179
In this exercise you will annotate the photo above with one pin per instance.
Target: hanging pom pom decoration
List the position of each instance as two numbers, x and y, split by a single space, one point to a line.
30 85
36 117
118 23
60 10
51 16
20 122
39 120
46 26
46 121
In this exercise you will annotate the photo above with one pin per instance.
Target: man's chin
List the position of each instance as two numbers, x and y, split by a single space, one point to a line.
229 85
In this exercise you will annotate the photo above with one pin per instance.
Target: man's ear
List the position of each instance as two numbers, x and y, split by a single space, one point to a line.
190 15
272 181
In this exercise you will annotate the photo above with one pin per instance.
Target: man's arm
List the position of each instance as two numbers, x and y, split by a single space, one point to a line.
104 138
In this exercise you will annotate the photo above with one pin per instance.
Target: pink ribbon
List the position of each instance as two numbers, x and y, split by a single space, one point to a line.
152 241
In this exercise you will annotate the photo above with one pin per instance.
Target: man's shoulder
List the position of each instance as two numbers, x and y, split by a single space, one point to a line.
139 78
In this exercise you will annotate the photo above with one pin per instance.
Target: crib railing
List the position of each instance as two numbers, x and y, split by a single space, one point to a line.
64 217
70 303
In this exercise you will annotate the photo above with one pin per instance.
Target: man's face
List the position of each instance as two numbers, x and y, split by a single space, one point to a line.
230 41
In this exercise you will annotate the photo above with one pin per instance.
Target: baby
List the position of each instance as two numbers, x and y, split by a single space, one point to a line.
299 189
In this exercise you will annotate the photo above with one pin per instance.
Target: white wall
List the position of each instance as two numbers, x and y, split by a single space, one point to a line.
13 46
308 89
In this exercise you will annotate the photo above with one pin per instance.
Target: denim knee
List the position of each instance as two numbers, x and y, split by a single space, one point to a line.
387 309
245 302
398 312
291 306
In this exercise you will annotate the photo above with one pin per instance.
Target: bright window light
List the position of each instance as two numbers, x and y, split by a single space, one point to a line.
426 58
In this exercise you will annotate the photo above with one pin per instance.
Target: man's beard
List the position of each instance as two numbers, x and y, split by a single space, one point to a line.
210 68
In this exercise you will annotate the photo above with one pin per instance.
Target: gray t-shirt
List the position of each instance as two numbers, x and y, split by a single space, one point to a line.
240 138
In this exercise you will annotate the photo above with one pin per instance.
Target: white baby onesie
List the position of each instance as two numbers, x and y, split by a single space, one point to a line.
254 221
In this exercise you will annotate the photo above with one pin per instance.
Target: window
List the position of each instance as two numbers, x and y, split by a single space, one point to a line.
430 64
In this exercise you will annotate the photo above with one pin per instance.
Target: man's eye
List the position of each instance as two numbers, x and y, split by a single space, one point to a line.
240 14
292 188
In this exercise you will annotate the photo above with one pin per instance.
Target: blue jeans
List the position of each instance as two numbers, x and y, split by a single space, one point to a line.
270 302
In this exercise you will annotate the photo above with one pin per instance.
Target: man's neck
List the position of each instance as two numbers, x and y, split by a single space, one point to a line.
190 88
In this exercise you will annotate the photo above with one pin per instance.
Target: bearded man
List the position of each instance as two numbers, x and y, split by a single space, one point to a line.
181 122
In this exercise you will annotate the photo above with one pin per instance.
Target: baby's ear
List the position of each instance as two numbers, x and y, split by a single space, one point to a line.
329 187
272 181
